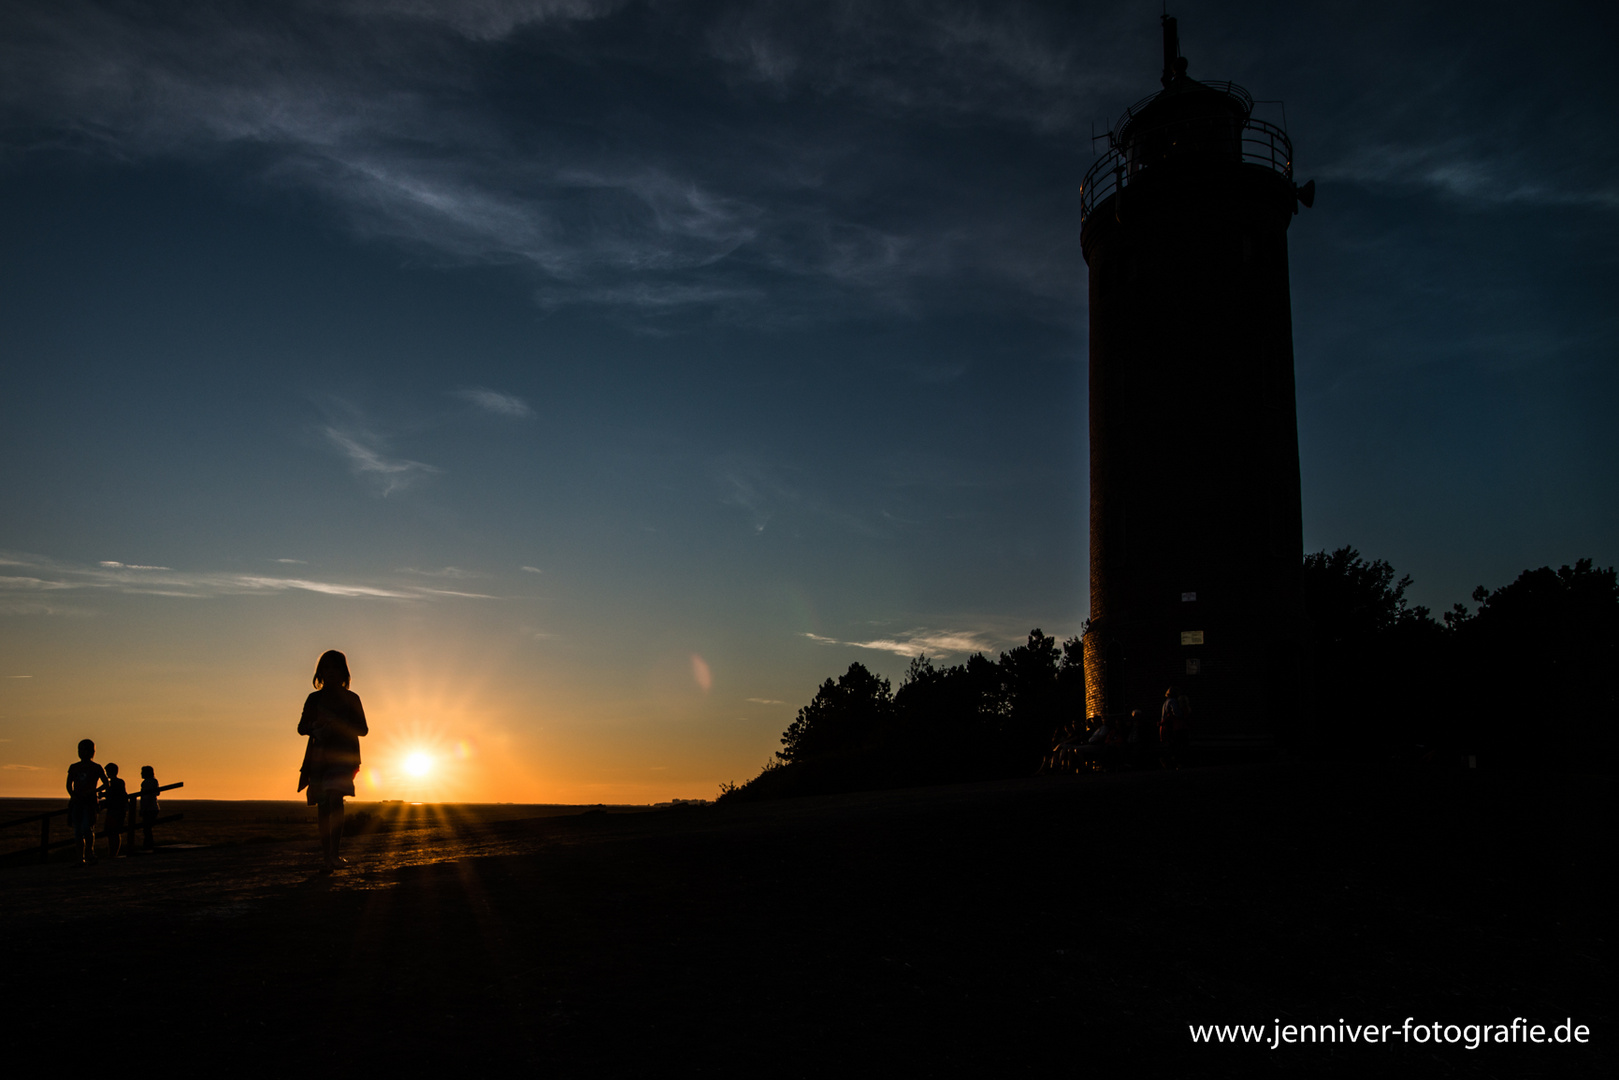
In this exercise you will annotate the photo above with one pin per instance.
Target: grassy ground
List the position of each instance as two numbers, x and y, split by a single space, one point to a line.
1062 924
218 821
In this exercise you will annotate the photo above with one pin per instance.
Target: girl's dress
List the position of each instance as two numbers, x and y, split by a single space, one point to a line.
334 720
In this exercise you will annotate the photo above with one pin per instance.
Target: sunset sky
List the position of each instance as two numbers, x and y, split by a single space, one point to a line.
600 377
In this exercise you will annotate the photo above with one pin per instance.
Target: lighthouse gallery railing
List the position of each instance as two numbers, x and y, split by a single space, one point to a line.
1259 143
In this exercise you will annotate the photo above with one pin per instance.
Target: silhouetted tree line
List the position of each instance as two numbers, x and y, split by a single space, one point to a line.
1372 662
973 721
1526 678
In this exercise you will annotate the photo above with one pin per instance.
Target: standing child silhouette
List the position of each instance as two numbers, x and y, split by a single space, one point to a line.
117 808
334 720
85 779
149 790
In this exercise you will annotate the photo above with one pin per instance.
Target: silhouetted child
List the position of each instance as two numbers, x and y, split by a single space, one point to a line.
148 805
85 779
117 810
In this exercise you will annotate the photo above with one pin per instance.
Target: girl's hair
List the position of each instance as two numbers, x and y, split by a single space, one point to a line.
332 670
146 770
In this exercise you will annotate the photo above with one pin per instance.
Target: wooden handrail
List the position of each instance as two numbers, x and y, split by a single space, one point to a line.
45 844
99 804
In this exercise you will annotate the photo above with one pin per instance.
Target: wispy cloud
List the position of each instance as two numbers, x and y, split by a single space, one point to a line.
496 402
1400 104
753 493
921 642
533 570
378 107
13 583
484 20
14 607
366 459
23 768
1012 63
88 580
764 492
812 162
457 593
765 701
248 583
1459 169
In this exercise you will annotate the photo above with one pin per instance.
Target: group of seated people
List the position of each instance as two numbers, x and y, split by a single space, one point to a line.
1102 743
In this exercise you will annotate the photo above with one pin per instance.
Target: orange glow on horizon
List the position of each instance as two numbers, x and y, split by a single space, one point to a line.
491 725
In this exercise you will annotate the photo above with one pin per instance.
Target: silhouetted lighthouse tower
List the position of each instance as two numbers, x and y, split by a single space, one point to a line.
1196 537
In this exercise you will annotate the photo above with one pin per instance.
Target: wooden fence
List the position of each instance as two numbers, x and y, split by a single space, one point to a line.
46 844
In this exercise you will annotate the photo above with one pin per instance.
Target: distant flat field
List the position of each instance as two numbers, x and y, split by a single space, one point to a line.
249 821
1052 926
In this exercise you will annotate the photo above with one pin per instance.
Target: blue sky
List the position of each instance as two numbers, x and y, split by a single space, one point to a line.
603 376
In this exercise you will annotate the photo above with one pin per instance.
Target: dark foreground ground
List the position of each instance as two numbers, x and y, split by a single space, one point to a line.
1059 925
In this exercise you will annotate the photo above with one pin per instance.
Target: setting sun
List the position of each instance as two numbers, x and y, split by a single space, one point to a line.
418 764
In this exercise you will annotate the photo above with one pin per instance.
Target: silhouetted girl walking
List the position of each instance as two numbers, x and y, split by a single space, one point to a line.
334 720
